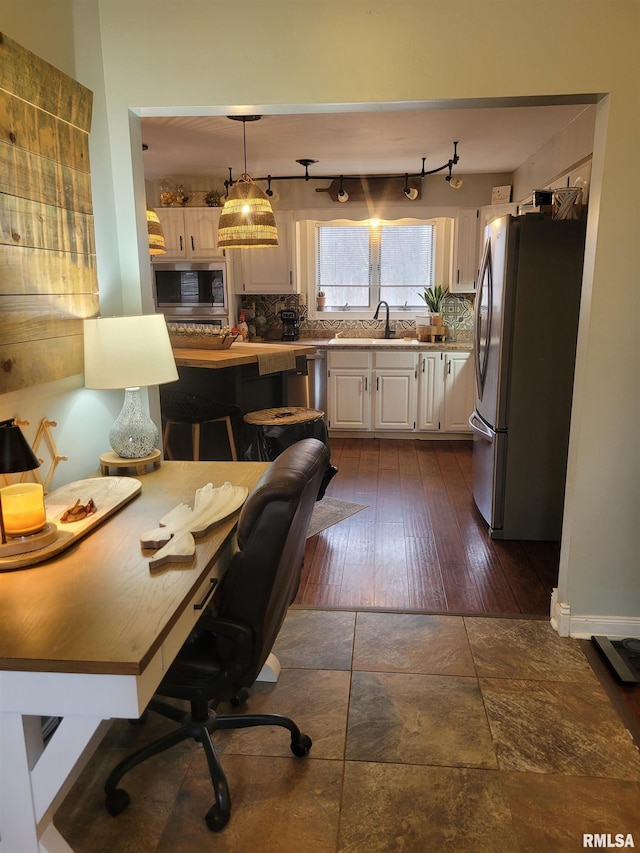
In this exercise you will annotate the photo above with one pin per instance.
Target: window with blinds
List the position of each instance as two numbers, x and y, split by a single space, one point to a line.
358 265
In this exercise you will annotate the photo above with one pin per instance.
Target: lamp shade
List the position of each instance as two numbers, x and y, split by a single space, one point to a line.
127 352
15 453
246 219
155 234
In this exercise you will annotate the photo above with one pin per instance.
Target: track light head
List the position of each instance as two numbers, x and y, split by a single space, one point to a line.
455 183
343 195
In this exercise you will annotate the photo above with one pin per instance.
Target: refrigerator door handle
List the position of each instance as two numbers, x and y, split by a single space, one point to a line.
478 427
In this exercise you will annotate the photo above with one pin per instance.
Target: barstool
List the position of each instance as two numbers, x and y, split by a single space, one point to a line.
178 407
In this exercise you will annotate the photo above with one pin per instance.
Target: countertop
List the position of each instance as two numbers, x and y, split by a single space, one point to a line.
401 344
237 354
250 353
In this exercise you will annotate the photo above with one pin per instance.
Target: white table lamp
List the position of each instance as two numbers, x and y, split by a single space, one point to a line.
129 353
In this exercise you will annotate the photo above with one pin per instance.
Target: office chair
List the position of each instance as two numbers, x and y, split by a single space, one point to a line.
226 651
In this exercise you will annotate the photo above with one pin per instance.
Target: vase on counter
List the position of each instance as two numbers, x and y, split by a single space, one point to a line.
320 302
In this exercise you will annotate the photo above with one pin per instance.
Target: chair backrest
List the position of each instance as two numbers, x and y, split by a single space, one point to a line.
264 574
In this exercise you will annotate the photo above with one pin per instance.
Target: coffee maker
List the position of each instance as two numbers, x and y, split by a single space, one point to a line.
290 324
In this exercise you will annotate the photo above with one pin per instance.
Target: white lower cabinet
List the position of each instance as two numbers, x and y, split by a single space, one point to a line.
394 384
399 391
446 391
348 390
430 390
458 398
372 390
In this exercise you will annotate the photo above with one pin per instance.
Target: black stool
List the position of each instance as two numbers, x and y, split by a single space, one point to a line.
178 407
270 431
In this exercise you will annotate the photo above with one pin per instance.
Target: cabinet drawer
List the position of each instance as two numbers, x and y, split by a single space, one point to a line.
387 358
346 358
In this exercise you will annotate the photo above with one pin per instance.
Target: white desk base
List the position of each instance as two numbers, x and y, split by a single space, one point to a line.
34 778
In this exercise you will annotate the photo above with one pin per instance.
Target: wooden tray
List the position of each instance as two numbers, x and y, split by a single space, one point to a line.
191 341
108 493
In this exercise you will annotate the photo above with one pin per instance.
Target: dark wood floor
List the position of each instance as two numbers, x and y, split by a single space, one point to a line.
421 544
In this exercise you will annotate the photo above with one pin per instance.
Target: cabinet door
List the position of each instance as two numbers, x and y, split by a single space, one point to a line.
172 221
430 389
465 251
395 399
348 398
458 392
201 226
272 269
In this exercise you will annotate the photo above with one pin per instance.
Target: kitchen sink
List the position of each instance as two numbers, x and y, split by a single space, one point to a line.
369 342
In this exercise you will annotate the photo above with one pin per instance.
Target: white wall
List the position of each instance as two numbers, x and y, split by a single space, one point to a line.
190 55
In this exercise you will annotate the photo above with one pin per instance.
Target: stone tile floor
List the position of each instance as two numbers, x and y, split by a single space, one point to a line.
431 733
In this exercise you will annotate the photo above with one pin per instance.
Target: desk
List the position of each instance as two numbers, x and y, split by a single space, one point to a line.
88 636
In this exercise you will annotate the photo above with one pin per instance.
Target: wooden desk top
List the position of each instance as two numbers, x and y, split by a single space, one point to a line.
98 608
237 354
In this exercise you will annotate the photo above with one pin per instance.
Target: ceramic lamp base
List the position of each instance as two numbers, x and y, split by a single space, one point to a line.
33 542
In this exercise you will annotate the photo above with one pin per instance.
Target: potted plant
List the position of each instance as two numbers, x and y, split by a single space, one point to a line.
320 300
433 298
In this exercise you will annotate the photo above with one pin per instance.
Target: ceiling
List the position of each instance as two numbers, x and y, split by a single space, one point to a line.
384 141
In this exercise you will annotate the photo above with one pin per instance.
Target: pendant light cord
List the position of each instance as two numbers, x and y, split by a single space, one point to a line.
244 143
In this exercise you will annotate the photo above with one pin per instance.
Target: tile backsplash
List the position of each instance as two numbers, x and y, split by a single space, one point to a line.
263 317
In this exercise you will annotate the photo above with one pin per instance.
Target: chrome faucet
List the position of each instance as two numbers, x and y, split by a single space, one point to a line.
387 328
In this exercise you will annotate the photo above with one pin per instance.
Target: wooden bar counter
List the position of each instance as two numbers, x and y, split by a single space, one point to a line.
237 355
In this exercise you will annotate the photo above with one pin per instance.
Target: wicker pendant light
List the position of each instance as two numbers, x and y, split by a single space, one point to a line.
156 237
247 219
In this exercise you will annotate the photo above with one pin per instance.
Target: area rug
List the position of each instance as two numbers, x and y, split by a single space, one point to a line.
330 511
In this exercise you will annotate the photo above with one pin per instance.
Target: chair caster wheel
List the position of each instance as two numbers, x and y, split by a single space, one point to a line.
301 746
216 820
117 801
240 698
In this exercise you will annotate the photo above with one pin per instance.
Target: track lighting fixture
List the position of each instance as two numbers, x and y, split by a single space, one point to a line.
410 192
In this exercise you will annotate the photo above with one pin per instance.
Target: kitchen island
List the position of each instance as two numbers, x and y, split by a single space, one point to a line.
240 354
251 376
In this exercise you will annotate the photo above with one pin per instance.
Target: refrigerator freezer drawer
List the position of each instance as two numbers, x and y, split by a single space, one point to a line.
488 465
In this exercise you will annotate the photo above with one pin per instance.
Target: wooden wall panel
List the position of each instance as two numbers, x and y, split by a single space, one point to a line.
32 363
48 281
32 318
40 226
39 83
33 271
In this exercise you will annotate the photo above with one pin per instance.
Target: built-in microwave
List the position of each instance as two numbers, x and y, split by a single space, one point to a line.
190 290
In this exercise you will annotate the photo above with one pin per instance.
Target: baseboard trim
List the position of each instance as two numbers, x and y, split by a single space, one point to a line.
414 436
584 625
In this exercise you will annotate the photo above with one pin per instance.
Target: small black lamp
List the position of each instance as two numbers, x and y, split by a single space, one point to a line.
16 456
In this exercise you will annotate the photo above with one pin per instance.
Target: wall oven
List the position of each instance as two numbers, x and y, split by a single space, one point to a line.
191 292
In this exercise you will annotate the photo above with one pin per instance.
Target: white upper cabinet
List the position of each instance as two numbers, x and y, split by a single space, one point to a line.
464 269
190 233
272 269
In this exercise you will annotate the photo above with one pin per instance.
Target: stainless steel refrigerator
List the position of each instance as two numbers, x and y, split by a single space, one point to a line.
526 323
